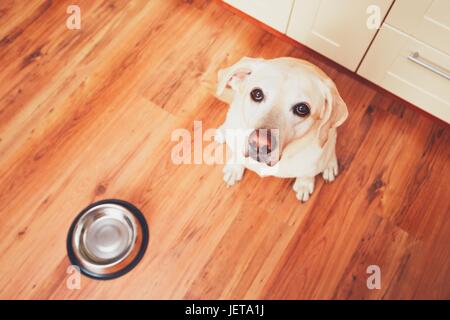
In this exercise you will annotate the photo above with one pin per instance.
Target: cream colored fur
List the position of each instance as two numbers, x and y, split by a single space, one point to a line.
307 144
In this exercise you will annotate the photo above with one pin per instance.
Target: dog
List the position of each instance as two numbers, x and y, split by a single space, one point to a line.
287 111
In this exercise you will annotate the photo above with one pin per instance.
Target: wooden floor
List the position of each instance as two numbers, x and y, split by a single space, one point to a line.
88 114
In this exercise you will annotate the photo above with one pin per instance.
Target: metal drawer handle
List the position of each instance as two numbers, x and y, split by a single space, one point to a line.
415 57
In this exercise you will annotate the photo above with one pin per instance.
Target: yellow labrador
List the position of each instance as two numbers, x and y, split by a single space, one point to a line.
286 111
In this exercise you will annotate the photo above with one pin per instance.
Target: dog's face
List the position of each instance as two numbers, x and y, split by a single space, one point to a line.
281 100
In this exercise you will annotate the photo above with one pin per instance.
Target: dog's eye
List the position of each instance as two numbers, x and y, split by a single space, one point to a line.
301 109
257 95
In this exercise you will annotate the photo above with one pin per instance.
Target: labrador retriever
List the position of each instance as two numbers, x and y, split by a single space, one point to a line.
286 111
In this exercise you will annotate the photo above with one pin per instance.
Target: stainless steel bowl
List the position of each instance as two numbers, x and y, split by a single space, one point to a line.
107 239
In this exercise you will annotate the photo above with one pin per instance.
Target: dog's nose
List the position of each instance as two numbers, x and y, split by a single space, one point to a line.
261 143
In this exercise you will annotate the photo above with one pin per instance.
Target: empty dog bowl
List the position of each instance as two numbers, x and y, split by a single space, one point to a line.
107 239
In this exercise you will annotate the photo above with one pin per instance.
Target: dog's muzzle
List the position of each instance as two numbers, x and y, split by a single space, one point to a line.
263 146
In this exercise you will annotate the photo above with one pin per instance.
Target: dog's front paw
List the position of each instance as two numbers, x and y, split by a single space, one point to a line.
303 188
219 135
331 171
232 173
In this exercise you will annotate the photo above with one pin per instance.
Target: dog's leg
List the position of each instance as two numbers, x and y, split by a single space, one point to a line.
232 172
303 187
331 170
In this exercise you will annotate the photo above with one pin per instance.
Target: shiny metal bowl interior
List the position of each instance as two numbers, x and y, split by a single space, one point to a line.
106 239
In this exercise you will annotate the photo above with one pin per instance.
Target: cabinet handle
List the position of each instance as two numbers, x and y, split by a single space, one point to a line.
415 57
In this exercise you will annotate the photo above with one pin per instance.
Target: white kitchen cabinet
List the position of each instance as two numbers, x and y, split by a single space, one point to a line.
336 29
410 69
410 56
274 13
426 20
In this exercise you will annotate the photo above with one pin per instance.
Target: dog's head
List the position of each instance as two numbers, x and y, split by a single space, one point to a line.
281 100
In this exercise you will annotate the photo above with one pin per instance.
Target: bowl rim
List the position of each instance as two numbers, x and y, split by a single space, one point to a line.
127 268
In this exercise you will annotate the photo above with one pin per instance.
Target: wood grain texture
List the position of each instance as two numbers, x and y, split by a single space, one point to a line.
88 114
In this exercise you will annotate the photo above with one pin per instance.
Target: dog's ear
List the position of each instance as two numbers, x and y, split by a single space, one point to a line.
334 111
231 78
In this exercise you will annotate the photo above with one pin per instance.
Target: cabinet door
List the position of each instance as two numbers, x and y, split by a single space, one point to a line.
410 69
274 13
337 29
427 21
